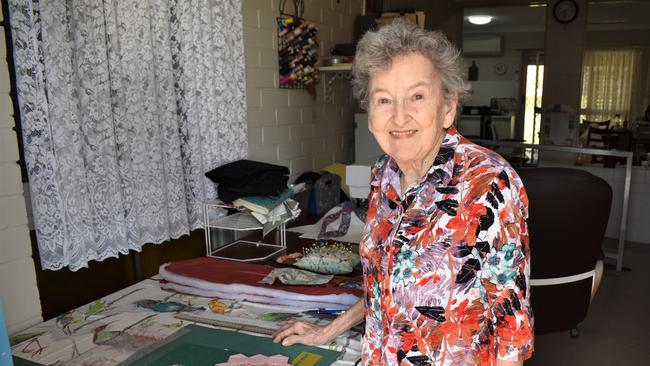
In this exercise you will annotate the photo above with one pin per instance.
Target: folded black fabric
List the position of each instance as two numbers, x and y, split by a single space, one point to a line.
248 178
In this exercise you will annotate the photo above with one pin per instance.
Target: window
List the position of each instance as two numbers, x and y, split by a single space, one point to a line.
607 82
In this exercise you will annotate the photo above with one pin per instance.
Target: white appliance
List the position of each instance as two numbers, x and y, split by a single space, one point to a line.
366 149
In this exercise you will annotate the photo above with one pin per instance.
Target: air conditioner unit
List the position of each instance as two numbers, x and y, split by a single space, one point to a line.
480 45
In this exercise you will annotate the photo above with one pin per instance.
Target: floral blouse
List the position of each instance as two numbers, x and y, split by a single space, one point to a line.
446 267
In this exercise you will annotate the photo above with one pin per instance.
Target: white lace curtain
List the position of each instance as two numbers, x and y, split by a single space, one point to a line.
607 83
124 106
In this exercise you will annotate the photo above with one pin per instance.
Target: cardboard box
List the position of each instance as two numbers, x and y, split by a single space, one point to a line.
359 192
357 175
388 17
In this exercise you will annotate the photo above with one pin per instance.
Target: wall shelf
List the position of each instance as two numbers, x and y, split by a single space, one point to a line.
336 68
331 74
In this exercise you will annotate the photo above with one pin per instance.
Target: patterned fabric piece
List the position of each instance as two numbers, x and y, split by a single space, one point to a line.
294 276
124 106
345 213
446 267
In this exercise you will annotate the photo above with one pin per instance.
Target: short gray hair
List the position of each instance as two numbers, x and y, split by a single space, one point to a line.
377 49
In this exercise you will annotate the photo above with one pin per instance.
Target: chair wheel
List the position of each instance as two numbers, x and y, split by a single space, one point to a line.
574 332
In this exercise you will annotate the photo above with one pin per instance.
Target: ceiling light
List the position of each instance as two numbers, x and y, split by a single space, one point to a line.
479 19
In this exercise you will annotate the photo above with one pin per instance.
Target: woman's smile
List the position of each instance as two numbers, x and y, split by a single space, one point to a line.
402 134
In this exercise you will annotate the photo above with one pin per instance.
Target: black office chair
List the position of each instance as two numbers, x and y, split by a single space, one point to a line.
568 214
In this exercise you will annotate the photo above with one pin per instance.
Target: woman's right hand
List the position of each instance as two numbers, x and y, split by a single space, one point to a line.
298 331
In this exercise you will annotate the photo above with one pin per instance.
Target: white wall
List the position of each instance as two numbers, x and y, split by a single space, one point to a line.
17 275
490 84
286 126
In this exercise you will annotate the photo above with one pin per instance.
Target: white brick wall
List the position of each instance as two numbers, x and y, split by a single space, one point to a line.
18 288
287 126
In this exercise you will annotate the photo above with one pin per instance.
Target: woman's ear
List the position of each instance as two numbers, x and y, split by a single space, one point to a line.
451 110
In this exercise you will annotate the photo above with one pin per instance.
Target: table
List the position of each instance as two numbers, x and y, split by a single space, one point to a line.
110 330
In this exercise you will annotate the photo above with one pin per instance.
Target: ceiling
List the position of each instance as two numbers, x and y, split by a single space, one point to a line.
601 15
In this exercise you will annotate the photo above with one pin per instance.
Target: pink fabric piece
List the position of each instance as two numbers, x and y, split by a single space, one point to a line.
257 360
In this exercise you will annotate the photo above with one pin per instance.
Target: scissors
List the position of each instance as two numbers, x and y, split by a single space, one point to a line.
234 306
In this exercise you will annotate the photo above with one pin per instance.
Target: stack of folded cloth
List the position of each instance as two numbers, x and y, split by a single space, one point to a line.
244 178
218 278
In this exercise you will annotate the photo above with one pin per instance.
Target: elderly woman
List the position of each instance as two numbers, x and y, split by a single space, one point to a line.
445 247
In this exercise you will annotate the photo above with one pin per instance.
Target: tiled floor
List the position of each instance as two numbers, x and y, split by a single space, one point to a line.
617 328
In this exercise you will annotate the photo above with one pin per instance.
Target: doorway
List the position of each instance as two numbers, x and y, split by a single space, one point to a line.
532 86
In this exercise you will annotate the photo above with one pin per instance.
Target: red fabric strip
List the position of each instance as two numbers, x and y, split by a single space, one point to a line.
231 272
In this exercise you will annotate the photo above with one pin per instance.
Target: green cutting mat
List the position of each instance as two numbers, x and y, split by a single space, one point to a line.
23 362
201 346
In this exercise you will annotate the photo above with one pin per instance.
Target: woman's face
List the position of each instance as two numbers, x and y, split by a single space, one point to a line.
407 110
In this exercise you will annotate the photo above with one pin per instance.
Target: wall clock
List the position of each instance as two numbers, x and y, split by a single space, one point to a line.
500 68
565 11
